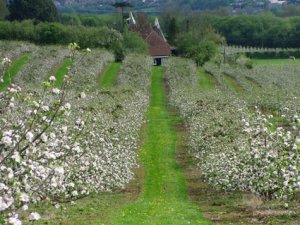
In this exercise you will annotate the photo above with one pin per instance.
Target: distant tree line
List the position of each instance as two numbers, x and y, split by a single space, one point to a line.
56 33
39 10
88 20
263 30
199 4
37 21
193 36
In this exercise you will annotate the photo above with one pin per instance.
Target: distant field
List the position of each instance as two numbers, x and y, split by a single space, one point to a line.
276 62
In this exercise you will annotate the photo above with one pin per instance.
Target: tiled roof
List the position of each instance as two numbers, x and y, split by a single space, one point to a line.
157 45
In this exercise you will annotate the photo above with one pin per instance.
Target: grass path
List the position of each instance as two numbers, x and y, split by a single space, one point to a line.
62 71
233 84
276 62
110 75
207 82
253 83
164 199
14 68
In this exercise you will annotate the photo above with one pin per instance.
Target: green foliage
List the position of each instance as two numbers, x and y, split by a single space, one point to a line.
173 30
203 52
103 37
91 21
260 30
194 36
134 43
110 75
122 5
88 20
13 69
263 30
241 60
200 4
276 54
55 33
24 30
119 53
2 221
287 10
3 9
131 43
92 37
196 45
40 10
70 19
52 33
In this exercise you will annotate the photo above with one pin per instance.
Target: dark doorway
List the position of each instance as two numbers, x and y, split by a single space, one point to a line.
157 62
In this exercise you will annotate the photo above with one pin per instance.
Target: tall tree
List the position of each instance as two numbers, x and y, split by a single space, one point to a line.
122 6
3 9
40 10
173 30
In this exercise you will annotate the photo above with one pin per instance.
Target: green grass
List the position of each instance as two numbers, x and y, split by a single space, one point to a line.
253 83
232 84
62 71
94 209
274 62
278 122
110 75
206 81
14 68
164 199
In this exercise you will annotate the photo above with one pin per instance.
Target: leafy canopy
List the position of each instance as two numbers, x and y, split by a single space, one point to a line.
39 10
3 9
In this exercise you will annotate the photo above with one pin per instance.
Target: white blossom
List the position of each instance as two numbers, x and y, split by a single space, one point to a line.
16 157
24 197
15 221
52 78
34 216
55 91
29 136
67 106
45 108
7 141
3 204
59 171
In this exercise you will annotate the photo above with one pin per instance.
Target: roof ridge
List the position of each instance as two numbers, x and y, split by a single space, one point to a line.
149 35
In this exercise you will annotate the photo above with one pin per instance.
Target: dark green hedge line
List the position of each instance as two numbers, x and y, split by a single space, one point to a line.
55 33
273 55
262 30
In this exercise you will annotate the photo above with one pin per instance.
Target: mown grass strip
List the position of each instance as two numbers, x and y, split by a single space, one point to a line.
92 210
14 68
110 75
253 83
233 85
206 80
165 199
276 62
62 71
